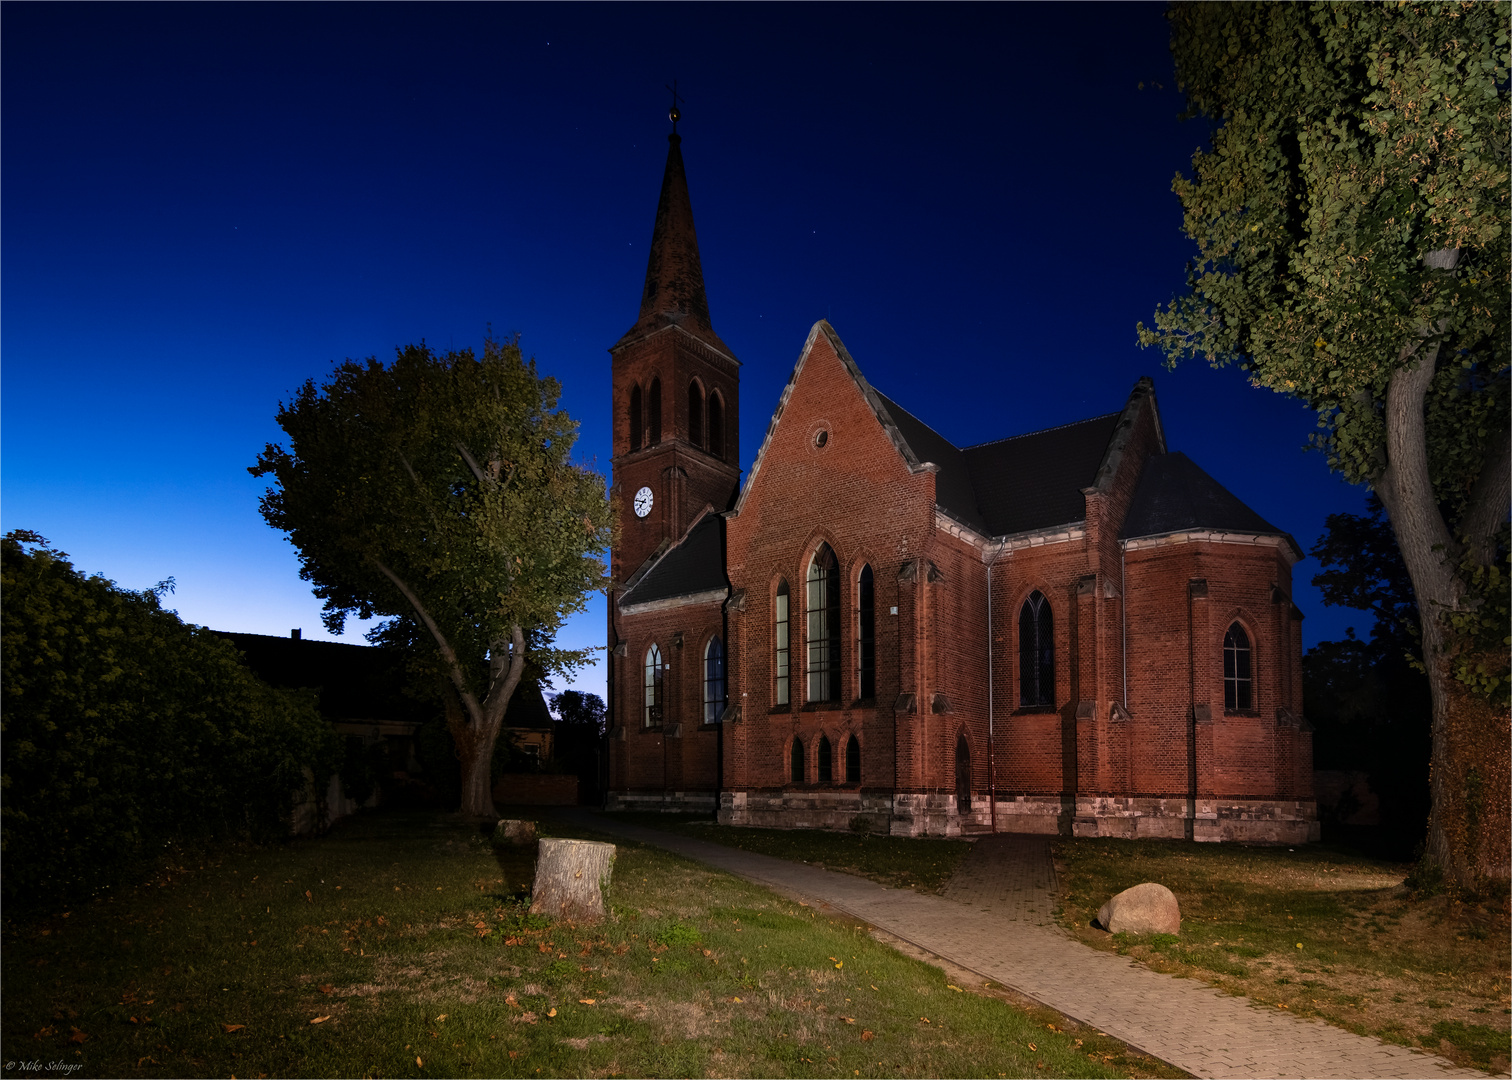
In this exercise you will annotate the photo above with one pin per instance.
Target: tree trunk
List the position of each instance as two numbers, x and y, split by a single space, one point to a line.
1469 767
475 756
572 880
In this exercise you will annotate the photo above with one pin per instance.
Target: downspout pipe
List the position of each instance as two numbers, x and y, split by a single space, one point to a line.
991 766
1123 613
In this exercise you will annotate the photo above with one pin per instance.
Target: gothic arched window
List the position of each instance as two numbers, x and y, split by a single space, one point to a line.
780 628
797 761
716 425
826 760
866 635
853 761
654 408
1036 652
637 425
823 626
963 773
655 674
1238 681
695 413
714 680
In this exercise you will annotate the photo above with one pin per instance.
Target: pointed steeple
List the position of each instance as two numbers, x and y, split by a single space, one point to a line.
674 289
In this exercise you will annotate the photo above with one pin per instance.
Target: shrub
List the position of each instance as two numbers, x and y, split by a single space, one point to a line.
126 728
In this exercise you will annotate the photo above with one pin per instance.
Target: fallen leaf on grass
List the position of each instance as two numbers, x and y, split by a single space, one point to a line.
326 988
953 986
45 1032
418 1063
142 1059
308 898
925 1019
587 1001
513 1054
737 1001
229 1028
551 1012
867 1036
77 1036
849 1019
320 1020
441 1019
1033 1047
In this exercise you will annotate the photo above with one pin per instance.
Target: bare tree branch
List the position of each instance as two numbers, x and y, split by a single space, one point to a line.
471 463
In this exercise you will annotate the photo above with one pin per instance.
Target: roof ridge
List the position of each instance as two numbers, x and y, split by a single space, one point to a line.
915 416
1041 431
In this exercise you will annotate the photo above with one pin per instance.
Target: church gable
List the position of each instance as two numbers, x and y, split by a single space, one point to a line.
829 424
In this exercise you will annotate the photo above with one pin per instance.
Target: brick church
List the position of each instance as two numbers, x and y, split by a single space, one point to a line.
1070 631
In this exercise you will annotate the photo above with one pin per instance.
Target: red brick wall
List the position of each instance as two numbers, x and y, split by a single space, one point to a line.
536 789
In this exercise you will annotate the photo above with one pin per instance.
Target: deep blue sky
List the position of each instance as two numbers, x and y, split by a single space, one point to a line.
204 205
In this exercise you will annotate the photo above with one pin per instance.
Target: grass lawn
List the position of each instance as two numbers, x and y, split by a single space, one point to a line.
1315 931
398 945
924 863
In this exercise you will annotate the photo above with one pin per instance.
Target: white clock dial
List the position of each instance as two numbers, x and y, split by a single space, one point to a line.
643 499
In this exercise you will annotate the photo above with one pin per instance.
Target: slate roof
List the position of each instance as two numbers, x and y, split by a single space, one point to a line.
1174 495
695 565
1013 485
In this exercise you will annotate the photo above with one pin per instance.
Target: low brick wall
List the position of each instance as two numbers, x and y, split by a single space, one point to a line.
536 789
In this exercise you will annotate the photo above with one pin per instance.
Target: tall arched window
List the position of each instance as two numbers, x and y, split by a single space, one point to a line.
797 761
1036 652
826 760
714 680
654 408
963 773
866 635
716 425
655 672
695 413
823 626
780 626
1238 682
637 425
853 761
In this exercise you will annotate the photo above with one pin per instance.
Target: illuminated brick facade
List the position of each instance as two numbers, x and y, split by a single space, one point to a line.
1065 631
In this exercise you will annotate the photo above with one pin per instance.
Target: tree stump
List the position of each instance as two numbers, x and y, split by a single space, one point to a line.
512 832
571 879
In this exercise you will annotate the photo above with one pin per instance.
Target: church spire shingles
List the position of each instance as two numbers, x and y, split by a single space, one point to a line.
674 289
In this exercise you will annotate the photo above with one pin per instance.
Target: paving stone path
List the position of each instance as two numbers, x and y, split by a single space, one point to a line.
994 919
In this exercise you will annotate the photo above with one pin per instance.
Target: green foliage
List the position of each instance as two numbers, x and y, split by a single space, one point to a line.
1481 623
1353 140
449 476
679 935
126 729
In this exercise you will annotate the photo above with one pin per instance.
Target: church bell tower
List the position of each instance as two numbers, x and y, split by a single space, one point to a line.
676 391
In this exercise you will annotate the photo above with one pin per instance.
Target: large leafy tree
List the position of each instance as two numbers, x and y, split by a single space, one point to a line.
439 491
1351 215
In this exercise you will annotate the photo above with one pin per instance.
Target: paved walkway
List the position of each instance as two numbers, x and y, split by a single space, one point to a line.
995 920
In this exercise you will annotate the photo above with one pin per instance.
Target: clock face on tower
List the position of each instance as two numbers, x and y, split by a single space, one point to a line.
643 499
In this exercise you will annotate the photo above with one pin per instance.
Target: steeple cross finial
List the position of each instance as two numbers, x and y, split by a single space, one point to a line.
674 115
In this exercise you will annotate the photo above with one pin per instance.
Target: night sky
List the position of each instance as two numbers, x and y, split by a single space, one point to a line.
205 205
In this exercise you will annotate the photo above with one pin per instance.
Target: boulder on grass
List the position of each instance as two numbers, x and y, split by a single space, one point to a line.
1144 909
572 880
511 832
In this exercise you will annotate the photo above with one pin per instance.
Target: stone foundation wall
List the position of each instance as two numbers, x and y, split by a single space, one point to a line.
670 802
1252 821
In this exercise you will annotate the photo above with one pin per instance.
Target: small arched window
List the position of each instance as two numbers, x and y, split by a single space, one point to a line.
695 413
637 425
655 674
780 627
716 425
654 408
826 760
714 680
853 761
1036 652
823 626
1238 680
797 761
866 635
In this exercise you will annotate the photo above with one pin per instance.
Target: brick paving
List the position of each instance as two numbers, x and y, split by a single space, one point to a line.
994 919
